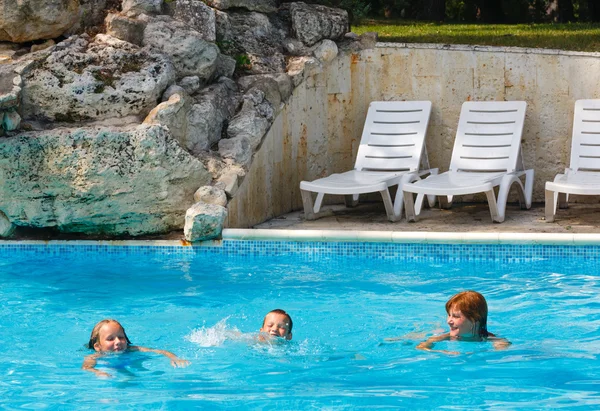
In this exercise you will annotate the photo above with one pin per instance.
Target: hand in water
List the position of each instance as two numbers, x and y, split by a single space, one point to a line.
179 363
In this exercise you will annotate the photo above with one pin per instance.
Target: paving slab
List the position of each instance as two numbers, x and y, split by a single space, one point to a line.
462 217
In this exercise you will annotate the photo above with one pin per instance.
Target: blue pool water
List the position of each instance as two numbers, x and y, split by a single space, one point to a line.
206 305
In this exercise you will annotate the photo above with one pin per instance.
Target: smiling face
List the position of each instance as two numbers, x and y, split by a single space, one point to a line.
111 337
277 325
460 325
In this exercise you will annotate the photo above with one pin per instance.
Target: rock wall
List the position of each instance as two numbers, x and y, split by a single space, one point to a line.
157 117
319 130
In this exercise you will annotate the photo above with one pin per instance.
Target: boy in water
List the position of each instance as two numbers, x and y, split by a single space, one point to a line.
109 336
277 323
467 319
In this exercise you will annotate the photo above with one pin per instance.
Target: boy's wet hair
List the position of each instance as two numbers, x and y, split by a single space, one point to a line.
96 332
282 312
473 306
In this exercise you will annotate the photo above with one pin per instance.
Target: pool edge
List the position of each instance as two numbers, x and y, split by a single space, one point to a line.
415 237
412 237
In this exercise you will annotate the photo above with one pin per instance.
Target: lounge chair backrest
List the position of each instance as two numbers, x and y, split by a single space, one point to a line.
488 137
585 144
393 137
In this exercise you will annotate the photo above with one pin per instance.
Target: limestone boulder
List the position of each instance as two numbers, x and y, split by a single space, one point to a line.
98 180
83 80
229 182
325 51
211 195
134 8
312 23
204 222
214 107
248 127
125 28
255 36
28 20
225 66
198 16
191 84
237 149
91 14
172 114
189 52
283 81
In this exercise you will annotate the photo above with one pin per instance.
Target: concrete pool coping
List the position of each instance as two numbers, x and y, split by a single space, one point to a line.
412 237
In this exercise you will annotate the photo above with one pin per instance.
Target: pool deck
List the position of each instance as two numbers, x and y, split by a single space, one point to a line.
464 223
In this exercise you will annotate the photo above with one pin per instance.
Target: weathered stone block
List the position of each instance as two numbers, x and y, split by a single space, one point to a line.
204 222
45 19
211 195
98 180
312 23
198 16
125 28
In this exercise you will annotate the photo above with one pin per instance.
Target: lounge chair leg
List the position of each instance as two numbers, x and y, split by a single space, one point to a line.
528 190
497 215
550 207
312 210
431 197
409 207
389 206
351 200
419 203
563 200
307 201
445 202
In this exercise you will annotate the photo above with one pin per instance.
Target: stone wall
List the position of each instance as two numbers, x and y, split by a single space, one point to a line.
318 131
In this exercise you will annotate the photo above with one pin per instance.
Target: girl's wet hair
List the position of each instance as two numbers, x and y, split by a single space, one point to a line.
282 312
96 332
473 306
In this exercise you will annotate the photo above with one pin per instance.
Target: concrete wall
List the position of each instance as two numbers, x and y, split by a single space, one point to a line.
318 131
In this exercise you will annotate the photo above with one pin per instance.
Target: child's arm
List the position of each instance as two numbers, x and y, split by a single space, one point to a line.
175 360
89 364
430 342
500 343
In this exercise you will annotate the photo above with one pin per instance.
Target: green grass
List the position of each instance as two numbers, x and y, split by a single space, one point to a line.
572 36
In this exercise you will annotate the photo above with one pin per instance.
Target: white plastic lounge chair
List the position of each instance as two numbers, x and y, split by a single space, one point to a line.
391 151
583 176
486 154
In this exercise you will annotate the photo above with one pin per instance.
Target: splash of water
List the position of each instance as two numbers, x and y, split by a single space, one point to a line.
214 336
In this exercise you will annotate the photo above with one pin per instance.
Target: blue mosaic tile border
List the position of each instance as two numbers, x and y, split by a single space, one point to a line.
414 251
320 249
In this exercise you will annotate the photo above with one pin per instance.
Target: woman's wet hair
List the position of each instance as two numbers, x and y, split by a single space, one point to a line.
96 332
473 306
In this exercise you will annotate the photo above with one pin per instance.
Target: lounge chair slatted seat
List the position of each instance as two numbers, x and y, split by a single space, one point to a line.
392 149
583 175
486 154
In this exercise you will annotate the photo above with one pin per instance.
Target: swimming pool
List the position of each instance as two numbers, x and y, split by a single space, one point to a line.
206 304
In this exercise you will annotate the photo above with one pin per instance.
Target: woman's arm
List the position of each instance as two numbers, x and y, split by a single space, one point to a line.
430 342
89 364
500 343
175 360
